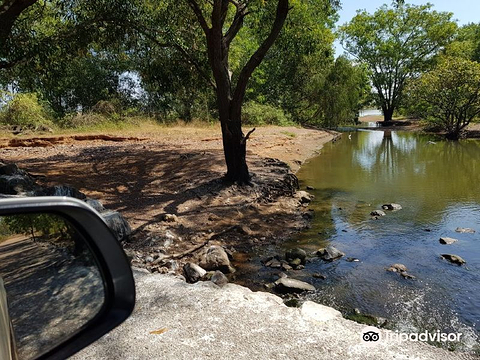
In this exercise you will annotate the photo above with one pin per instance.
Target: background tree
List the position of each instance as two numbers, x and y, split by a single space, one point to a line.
450 94
396 44
466 43
344 93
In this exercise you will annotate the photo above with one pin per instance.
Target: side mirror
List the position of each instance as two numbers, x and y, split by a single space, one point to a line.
64 278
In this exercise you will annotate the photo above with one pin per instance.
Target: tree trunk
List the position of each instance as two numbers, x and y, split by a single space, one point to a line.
387 114
235 149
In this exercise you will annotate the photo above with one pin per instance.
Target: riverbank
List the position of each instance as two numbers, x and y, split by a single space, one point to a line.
176 320
167 183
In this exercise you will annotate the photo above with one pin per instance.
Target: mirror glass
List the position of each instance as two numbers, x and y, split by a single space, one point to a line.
50 285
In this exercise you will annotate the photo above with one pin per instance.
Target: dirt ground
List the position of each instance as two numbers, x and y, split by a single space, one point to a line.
178 170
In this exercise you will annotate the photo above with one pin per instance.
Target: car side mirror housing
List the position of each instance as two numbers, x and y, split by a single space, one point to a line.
65 280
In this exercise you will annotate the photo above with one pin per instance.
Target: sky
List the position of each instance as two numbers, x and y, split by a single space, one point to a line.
464 11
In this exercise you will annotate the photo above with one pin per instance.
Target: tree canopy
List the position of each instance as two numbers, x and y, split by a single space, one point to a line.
450 94
396 44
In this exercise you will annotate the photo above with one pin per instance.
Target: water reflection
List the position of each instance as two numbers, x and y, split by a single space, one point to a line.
437 183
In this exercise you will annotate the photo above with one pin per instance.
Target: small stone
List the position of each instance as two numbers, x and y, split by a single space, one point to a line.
281 275
286 267
319 276
193 272
392 207
219 278
447 240
351 259
454 259
407 276
295 262
465 230
378 213
274 263
170 218
149 259
307 215
310 188
299 267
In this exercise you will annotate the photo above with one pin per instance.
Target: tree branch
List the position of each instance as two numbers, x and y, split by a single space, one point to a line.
236 25
198 13
257 57
245 138
181 50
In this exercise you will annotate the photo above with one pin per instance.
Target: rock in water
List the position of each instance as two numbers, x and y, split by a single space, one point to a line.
287 285
454 259
397 268
447 240
330 253
296 253
464 230
193 272
392 207
378 213
215 258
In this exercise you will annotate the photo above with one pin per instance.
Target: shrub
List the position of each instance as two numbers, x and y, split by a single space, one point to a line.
260 114
26 110
83 120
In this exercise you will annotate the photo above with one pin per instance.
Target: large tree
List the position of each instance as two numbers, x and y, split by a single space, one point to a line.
396 44
230 94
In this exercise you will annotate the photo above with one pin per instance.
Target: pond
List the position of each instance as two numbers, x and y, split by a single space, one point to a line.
438 185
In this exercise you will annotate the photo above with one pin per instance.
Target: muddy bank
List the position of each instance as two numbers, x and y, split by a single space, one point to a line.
169 187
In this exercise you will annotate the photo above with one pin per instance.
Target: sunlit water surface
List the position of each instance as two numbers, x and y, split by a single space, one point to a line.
438 184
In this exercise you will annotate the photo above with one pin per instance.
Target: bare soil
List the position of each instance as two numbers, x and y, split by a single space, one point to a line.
178 170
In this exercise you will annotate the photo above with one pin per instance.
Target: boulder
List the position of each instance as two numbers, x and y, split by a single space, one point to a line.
378 213
215 258
117 223
193 272
64 190
304 197
16 184
454 259
464 230
447 240
287 285
296 253
330 253
219 278
392 207
97 205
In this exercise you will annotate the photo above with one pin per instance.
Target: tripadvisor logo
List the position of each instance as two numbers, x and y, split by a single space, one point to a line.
371 335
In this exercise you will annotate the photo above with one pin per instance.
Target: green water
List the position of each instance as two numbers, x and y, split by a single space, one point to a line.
438 184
